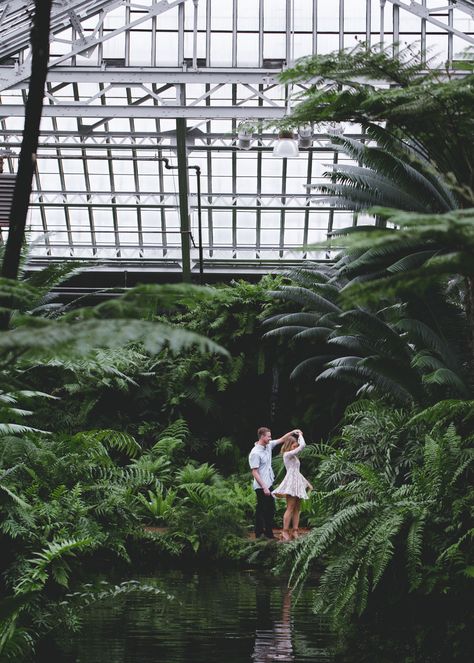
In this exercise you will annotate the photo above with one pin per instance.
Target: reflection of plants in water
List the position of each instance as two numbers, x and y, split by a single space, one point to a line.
215 616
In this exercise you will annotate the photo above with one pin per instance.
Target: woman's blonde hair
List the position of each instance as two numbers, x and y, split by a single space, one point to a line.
288 442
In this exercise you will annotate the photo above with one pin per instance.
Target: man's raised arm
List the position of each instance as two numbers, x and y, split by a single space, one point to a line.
283 437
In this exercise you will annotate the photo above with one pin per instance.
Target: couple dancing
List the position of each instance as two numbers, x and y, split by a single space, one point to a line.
293 487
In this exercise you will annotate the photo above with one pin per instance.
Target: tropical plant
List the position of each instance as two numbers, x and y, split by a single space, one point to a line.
400 351
160 506
58 617
203 474
370 523
411 164
400 100
63 497
424 251
36 295
389 173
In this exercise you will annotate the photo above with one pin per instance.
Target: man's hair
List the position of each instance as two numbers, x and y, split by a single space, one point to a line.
261 431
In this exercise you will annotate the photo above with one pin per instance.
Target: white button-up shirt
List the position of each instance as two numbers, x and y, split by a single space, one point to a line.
260 458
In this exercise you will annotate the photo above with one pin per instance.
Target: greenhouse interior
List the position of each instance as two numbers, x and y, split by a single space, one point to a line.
237 331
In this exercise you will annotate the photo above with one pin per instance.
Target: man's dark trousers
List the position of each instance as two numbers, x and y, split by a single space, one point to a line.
264 514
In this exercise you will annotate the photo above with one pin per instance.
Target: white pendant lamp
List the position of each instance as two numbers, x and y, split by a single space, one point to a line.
286 146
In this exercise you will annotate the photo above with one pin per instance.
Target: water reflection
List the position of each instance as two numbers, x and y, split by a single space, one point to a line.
232 616
275 644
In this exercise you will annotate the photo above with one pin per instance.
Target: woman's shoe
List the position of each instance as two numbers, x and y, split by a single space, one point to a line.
285 535
295 534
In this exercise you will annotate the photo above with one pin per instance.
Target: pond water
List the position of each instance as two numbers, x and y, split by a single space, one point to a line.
225 616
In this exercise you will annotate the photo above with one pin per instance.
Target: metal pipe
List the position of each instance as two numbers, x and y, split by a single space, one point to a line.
183 196
197 170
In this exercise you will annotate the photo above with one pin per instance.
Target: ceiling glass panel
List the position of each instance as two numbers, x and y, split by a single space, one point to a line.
110 115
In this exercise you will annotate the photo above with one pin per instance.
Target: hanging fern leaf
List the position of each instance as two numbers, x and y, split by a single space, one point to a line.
113 440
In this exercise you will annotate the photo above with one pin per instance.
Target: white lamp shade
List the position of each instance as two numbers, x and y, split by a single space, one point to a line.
286 148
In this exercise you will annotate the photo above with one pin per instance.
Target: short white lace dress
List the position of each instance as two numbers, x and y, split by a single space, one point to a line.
294 483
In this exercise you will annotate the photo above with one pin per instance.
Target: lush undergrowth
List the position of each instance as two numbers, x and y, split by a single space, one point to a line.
123 443
136 457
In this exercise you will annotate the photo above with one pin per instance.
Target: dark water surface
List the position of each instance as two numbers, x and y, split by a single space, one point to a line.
225 616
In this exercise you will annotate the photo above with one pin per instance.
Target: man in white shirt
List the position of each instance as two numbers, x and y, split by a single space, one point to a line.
260 461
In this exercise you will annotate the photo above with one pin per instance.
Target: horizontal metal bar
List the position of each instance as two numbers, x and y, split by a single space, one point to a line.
213 247
151 112
36 263
148 75
89 142
239 208
172 194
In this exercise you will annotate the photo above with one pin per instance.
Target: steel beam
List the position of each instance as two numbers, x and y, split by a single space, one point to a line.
147 75
215 207
15 19
429 15
151 112
183 197
85 44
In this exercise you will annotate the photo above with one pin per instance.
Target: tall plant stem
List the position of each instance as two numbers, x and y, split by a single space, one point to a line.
29 145
469 306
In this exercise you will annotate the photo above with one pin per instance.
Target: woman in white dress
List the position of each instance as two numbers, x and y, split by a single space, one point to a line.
294 486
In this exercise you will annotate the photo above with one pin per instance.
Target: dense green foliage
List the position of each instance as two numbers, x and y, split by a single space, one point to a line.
388 173
98 467
381 505
400 101
410 351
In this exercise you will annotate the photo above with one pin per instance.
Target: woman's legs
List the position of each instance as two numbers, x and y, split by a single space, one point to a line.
296 516
287 516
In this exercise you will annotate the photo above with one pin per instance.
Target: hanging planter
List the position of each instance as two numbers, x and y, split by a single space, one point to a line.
244 136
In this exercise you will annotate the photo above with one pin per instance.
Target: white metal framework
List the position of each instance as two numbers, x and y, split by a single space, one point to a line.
128 80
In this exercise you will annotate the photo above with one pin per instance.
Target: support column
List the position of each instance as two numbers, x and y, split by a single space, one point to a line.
183 197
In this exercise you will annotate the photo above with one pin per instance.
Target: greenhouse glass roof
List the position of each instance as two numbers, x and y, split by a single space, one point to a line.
131 83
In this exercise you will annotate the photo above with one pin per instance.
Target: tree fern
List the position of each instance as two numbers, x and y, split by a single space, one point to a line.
414 550
111 439
204 474
178 429
413 102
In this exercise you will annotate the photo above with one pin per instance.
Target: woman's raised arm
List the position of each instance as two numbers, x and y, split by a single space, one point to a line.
301 445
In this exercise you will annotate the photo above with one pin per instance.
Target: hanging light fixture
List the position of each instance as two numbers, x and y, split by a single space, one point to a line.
244 136
336 128
305 136
286 147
